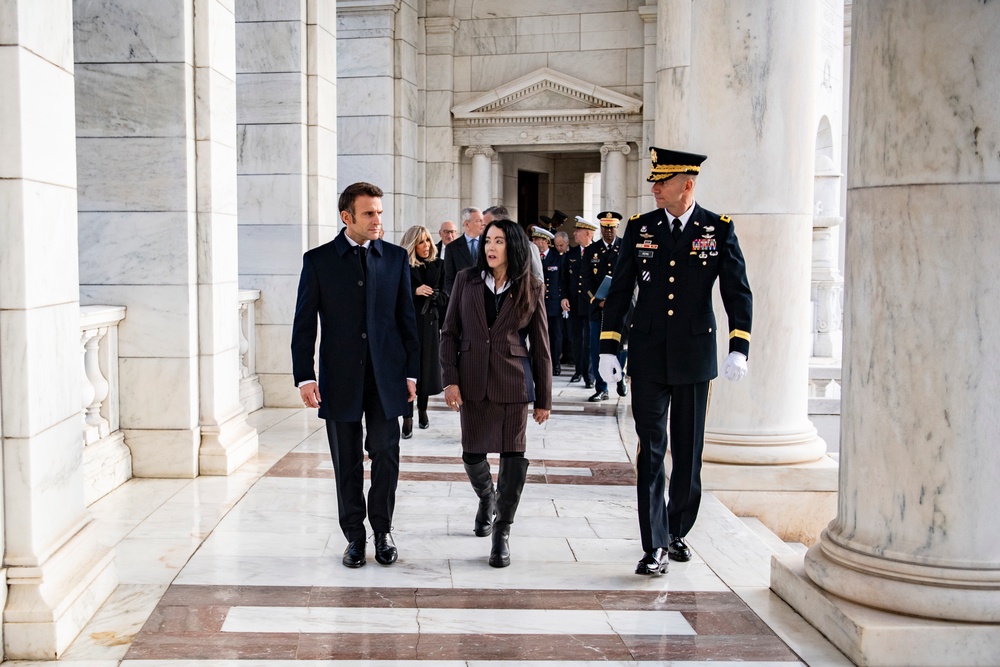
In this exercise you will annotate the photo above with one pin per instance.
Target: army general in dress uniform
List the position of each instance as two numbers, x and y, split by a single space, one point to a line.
674 254
577 301
601 257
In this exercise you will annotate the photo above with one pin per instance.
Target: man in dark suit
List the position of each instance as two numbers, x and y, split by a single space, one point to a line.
462 252
552 269
675 254
447 231
359 288
576 301
601 258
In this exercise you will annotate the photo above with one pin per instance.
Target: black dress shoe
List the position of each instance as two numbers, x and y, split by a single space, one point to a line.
354 554
598 396
557 370
589 384
385 550
407 428
679 551
575 378
622 388
423 422
653 563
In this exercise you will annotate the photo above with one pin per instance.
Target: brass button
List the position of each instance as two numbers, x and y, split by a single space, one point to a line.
672 262
670 296
643 261
670 312
710 330
704 263
671 279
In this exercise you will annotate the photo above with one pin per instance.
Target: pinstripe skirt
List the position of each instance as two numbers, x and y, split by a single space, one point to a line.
489 427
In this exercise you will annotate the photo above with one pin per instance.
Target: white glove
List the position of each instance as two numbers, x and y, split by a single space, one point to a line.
609 368
735 366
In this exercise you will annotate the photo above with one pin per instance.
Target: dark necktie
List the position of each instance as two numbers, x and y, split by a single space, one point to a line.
363 255
676 231
474 248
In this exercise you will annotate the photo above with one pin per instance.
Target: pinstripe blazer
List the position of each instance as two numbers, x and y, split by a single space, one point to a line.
496 364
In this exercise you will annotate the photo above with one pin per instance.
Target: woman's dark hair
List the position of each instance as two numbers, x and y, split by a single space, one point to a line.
518 263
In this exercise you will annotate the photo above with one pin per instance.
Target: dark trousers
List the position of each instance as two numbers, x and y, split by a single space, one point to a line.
421 405
382 444
555 338
595 356
687 405
579 337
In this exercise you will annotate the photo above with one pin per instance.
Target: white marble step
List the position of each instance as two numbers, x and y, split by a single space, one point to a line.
774 542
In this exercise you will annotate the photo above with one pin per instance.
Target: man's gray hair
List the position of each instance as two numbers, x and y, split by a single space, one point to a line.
499 212
562 235
467 213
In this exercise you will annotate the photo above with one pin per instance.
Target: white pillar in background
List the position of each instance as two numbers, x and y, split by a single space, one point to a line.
482 161
613 176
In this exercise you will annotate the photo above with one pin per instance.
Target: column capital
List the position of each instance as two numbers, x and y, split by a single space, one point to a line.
616 147
486 150
441 25
648 13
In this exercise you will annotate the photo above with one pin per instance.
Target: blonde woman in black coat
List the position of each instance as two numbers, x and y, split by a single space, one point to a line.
430 303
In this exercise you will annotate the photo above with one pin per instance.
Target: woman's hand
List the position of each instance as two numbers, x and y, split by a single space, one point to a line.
453 397
424 290
541 415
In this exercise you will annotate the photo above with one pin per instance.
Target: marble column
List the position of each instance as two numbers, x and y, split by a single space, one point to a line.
286 88
56 573
758 130
157 199
442 199
613 175
482 176
916 532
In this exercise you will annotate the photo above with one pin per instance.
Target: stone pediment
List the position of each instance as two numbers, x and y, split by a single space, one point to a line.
546 96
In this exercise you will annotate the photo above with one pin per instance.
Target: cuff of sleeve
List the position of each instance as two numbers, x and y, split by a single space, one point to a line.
740 345
305 382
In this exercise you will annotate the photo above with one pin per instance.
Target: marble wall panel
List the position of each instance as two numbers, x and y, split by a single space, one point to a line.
135 248
220 395
438 108
322 151
364 24
136 174
215 96
322 52
322 108
159 320
322 13
39 345
158 393
365 134
364 57
488 72
560 41
271 10
36 32
107 104
365 95
33 234
270 249
270 47
271 149
277 296
635 63
217 260
617 30
217 331
515 8
132 31
279 390
220 34
405 62
437 210
542 34
43 487
217 179
375 169
164 452
270 98
438 74
41 148
271 199
603 68
274 344
486 37
438 144
405 137
462 75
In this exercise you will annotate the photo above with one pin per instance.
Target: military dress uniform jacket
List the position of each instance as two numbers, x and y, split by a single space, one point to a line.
673 328
599 261
552 269
574 285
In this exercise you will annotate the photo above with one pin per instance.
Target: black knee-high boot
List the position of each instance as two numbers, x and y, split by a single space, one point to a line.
510 483
482 482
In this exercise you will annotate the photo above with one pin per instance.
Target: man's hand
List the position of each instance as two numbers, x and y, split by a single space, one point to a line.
609 368
541 415
735 366
453 397
310 395
564 304
411 389
424 290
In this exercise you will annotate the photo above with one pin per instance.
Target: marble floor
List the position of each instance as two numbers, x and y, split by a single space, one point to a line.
245 571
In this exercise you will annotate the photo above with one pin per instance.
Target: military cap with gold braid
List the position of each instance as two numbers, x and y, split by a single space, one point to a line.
609 218
539 233
583 223
668 163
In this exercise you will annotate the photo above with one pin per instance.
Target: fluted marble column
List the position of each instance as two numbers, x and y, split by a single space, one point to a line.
57 573
613 175
916 531
482 156
758 131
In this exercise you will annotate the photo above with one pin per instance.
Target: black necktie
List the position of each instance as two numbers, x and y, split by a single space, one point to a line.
363 254
676 231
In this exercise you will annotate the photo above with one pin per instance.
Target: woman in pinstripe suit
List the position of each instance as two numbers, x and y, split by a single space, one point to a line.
491 373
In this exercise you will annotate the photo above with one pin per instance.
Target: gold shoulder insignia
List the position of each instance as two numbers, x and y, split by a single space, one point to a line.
635 216
725 218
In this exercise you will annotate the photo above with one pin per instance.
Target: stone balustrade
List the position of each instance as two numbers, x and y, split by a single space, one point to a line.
107 461
251 392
